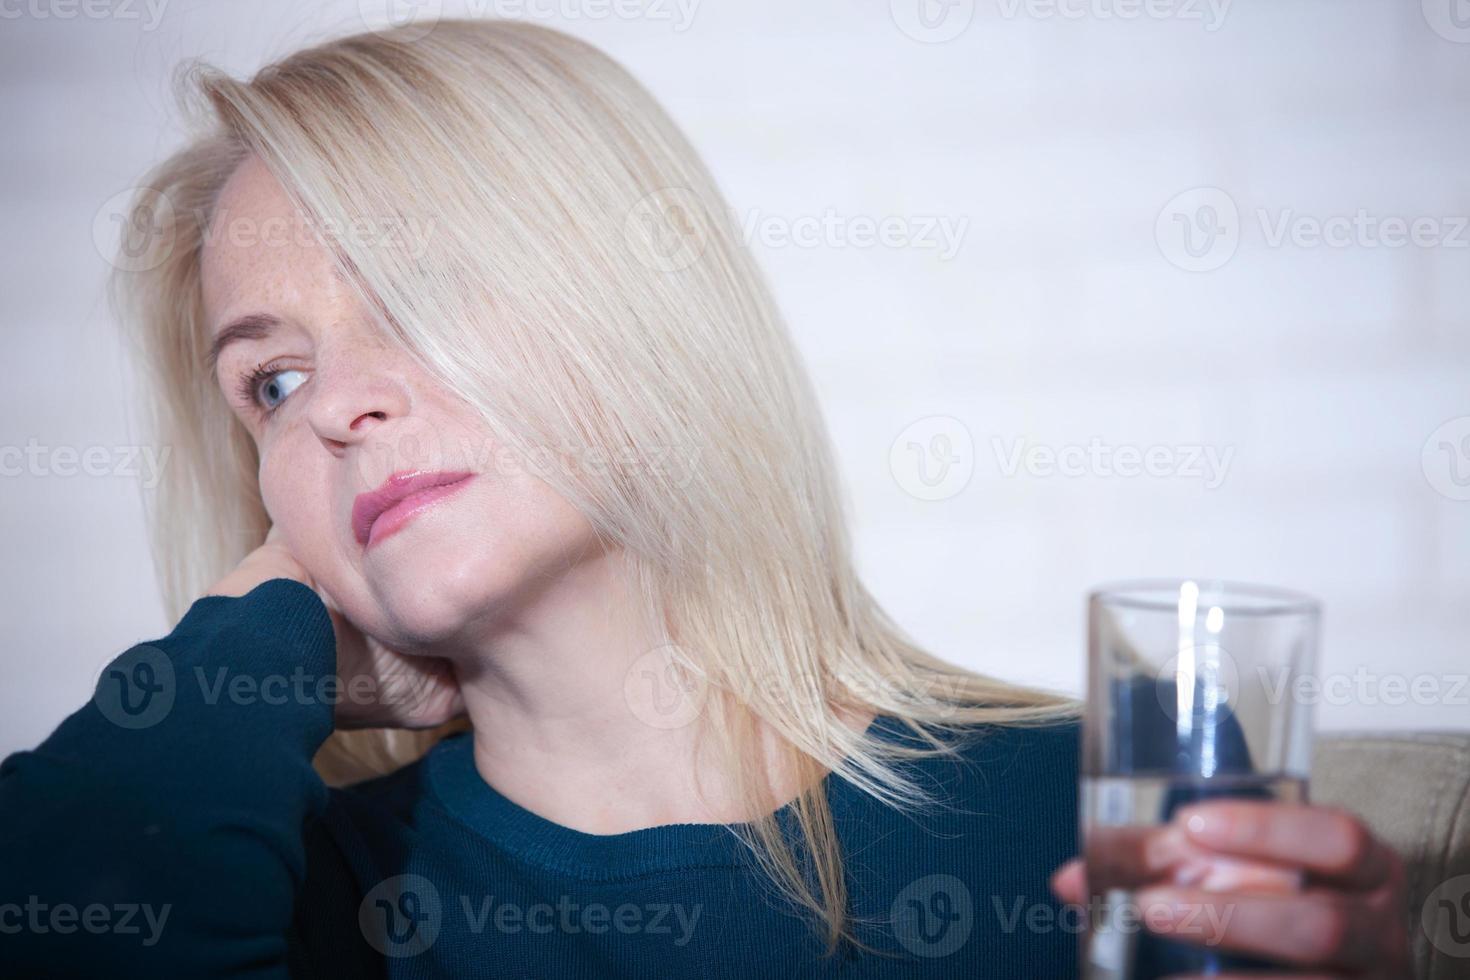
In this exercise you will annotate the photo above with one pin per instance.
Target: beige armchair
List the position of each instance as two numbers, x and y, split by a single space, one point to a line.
1413 790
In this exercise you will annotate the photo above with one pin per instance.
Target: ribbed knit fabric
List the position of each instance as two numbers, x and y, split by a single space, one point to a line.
195 840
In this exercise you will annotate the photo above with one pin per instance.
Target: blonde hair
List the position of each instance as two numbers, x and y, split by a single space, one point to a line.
583 287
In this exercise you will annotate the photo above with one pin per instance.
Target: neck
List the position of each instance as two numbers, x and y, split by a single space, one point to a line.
569 700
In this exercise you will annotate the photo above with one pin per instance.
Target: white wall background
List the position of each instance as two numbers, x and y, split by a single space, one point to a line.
1051 139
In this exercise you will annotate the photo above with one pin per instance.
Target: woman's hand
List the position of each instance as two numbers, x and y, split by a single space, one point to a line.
379 688
1308 886
270 560
385 689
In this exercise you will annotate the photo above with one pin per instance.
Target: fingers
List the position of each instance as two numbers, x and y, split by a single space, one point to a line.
1329 843
1305 886
1069 882
1215 874
1130 857
1314 929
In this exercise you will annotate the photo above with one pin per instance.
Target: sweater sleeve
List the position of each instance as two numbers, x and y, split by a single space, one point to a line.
159 830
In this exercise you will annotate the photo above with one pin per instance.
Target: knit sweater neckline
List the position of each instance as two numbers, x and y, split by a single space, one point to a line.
458 786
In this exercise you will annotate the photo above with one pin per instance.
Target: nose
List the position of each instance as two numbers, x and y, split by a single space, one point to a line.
351 396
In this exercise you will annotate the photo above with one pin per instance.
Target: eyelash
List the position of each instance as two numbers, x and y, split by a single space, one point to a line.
249 388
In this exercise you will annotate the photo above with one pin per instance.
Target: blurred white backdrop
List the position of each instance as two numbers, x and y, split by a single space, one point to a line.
1091 289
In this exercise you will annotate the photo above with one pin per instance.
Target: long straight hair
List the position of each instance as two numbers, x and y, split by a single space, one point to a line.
525 220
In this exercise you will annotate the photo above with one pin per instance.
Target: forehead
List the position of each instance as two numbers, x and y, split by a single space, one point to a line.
258 248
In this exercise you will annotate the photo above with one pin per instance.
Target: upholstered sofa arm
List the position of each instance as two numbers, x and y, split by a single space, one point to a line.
1413 790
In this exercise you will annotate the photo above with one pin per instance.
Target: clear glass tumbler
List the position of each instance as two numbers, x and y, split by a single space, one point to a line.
1193 693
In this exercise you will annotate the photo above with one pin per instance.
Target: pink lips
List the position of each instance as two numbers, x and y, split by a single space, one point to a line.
379 513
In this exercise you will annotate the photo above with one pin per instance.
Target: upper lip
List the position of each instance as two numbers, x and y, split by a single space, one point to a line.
367 507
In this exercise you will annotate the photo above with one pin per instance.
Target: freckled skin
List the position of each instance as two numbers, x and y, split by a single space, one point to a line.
504 583
363 411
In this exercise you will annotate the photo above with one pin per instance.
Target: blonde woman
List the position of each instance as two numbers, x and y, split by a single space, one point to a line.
501 505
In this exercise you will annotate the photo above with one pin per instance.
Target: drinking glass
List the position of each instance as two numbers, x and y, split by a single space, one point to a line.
1192 694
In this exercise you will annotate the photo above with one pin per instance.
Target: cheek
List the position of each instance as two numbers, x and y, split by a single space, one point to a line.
530 535
297 496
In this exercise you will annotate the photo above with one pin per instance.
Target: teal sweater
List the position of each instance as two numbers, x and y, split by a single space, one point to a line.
174 827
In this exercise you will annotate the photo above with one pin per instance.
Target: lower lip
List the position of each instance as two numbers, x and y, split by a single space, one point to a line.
392 520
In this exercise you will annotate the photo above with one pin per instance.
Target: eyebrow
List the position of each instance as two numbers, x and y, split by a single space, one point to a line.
251 326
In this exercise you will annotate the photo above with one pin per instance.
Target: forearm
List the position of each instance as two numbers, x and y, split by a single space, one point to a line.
178 792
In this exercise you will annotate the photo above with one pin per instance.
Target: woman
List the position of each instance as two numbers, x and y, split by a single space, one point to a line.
454 342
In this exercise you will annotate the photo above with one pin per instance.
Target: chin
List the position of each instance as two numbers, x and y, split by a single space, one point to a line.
448 577
434 595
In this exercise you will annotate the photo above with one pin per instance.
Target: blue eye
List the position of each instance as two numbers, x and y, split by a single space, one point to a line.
279 386
266 388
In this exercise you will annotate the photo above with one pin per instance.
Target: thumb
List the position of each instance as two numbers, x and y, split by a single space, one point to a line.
1069 882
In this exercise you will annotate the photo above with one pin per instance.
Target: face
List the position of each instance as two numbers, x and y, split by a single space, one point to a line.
384 486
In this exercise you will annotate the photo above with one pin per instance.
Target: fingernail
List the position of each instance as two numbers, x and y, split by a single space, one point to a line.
1208 826
1192 872
1227 875
1163 849
1224 876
